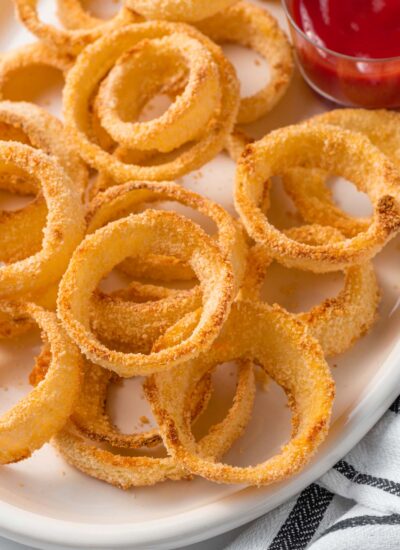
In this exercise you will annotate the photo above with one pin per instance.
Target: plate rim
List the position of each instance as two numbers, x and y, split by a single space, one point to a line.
210 520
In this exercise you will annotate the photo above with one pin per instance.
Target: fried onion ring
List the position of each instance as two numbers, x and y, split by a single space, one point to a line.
91 418
280 344
119 201
236 143
178 10
40 415
127 471
32 125
337 322
307 187
90 414
11 327
156 232
70 41
93 65
333 150
21 231
64 226
45 132
73 15
187 117
255 28
116 317
31 55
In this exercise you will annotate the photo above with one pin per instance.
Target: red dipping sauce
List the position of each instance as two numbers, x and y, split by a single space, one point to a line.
349 50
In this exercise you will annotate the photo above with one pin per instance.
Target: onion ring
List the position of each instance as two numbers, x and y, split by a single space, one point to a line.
332 150
46 132
337 322
73 15
255 28
281 345
90 414
21 231
158 268
36 54
93 65
116 317
127 471
158 232
187 117
32 125
41 414
121 200
12 327
71 41
236 143
92 420
178 10
307 187
64 227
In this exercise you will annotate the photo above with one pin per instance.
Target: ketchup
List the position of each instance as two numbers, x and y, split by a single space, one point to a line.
365 29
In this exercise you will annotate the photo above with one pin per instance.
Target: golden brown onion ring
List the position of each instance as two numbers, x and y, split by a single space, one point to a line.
178 10
307 187
119 201
31 55
281 345
337 322
117 317
255 28
91 418
158 269
12 327
92 67
73 15
32 125
21 231
156 232
187 117
90 415
128 471
333 150
70 41
236 143
41 414
64 226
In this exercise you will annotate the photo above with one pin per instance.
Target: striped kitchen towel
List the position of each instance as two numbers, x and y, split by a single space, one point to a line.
355 506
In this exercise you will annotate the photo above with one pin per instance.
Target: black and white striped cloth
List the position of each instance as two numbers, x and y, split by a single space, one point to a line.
355 506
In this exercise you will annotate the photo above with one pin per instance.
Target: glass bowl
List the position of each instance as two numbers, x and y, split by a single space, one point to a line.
349 81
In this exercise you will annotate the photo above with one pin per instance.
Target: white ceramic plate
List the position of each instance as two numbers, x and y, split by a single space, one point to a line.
47 504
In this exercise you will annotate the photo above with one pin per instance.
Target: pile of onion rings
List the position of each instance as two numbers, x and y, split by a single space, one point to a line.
122 287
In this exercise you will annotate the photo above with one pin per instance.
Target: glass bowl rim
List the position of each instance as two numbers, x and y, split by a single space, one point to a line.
354 59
